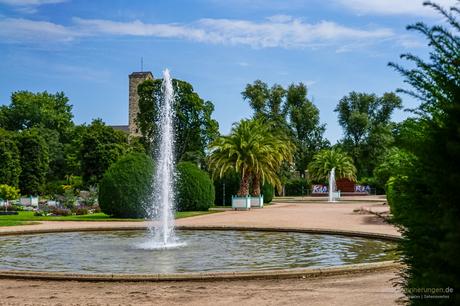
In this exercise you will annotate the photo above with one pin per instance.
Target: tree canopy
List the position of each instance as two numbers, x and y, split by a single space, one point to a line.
305 126
194 125
253 151
366 121
39 110
289 111
100 147
424 196
10 165
34 162
323 162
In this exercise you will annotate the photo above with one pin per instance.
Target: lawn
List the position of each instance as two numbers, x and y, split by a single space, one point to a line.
23 216
14 222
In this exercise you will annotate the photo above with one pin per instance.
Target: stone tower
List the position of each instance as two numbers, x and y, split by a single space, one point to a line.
135 79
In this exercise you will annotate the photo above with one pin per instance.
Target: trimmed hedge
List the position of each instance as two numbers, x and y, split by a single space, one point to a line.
268 191
195 190
296 187
232 185
126 186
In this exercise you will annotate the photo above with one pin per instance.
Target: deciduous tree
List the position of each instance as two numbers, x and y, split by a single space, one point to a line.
194 125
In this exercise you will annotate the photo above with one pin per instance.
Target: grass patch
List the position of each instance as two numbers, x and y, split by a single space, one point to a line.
23 216
186 214
15 222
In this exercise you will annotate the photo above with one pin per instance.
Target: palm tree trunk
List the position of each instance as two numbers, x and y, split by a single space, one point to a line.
244 185
256 186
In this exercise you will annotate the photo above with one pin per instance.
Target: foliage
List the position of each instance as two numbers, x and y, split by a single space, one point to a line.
8 192
34 162
56 211
195 190
68 199
424 200
325 160
268 103
296 187
100 147
305 126
365 119
395 161
56 156
290 112
268 191
126 185
54 188
89 197
251 150
72 148
81 211
231 181
10 165
39 110
194 126
232 185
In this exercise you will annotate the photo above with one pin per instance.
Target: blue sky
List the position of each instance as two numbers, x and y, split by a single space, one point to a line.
87 49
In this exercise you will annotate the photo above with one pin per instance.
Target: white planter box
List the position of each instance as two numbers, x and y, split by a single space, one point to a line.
242 203
257 202
29 201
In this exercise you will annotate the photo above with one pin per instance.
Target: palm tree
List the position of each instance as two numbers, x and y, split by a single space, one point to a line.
253 151
325 160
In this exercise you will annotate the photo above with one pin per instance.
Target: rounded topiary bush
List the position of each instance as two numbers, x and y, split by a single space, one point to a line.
126 185
268 191
195 190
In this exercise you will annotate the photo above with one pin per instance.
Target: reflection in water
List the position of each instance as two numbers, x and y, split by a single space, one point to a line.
120 252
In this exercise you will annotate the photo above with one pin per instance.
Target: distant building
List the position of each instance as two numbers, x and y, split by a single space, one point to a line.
135 79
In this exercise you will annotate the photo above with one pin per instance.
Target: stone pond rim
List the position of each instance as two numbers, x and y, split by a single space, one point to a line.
209 276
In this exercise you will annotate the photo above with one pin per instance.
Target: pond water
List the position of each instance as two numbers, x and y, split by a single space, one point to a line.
125 252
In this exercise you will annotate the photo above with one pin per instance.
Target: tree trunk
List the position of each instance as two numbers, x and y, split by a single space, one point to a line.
256 186
244 185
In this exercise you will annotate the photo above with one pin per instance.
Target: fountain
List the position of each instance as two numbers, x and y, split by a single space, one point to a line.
332 185
162 197
157 250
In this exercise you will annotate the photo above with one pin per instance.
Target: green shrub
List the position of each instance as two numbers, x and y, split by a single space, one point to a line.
296 187
55 188
61 211
126 185
39 213
425 199
195 190
268 191
395 161
231 181
81 211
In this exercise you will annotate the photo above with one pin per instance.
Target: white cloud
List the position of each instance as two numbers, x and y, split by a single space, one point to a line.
137 28
289 33
30 2
394 7
29 6
25 30
279 31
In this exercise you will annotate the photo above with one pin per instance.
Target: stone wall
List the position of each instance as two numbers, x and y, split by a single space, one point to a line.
135 79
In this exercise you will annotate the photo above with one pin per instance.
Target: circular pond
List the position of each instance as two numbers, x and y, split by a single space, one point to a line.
122 252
